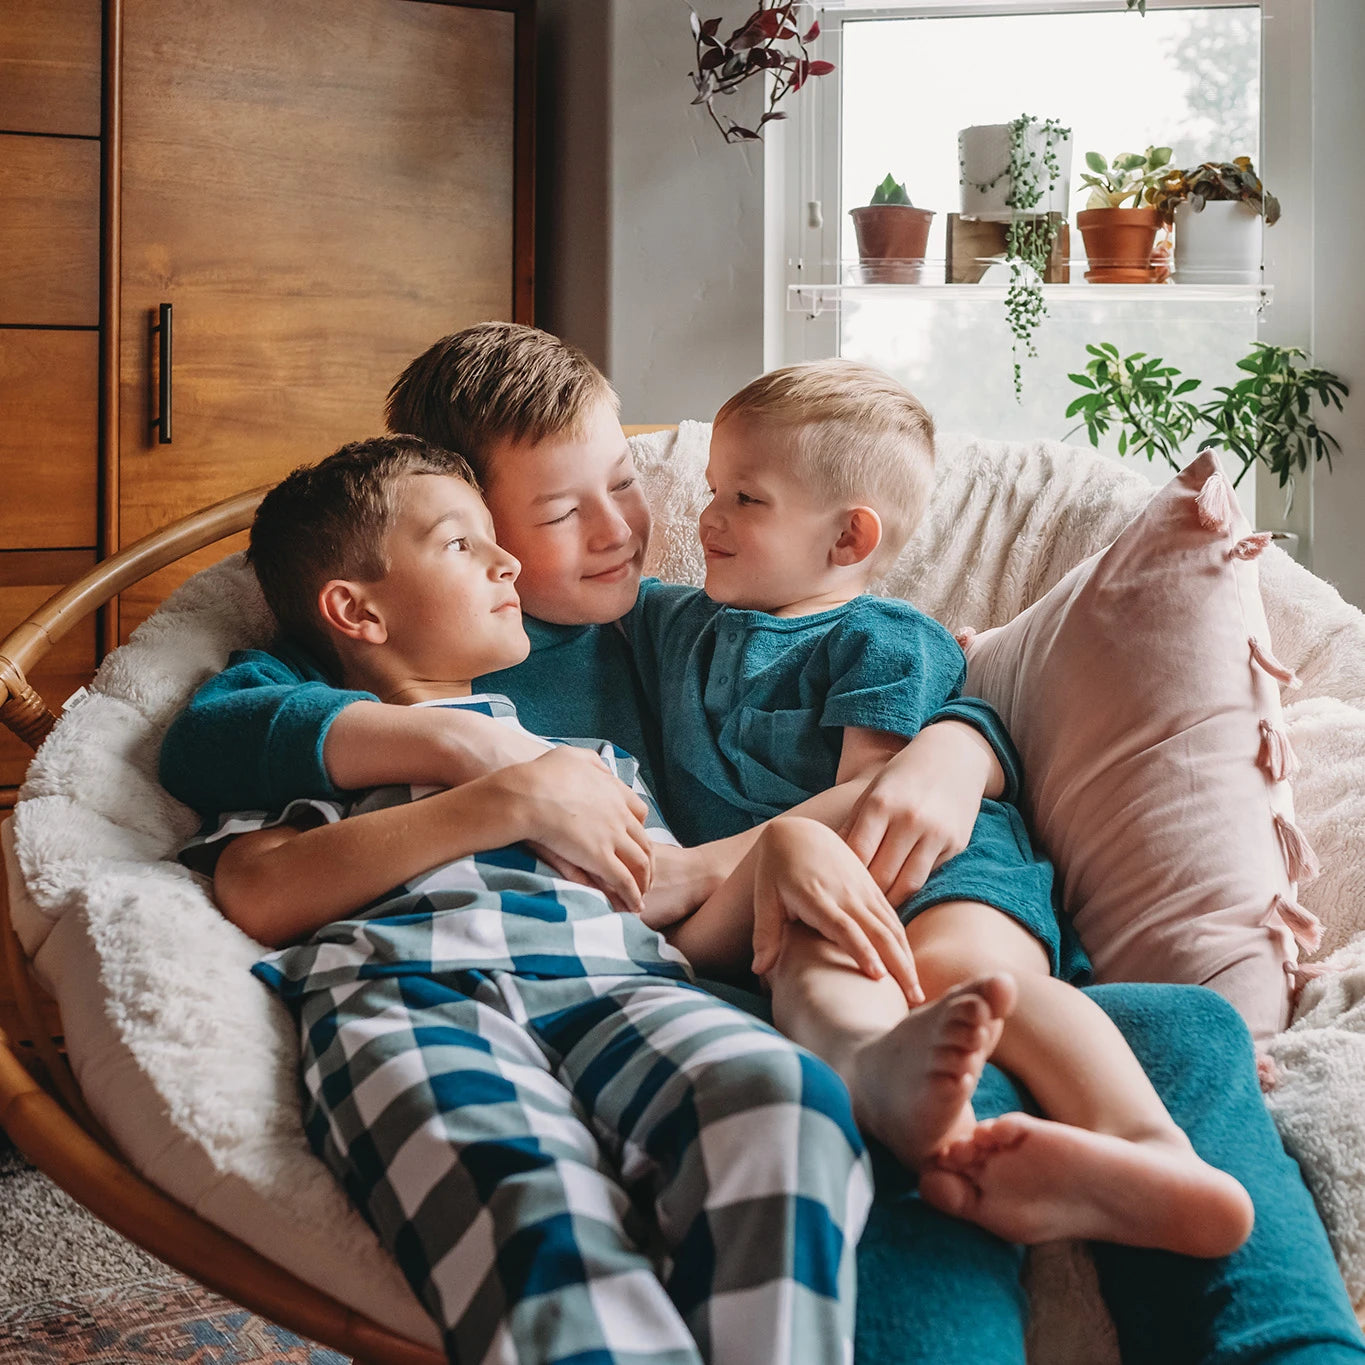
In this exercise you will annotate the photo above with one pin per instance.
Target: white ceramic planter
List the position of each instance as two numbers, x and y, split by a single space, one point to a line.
1221 244
983 158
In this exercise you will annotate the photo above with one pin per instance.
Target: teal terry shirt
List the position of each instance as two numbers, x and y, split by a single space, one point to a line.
756 705
251 737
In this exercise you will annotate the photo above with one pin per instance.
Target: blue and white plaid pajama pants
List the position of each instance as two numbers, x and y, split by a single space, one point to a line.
611 1170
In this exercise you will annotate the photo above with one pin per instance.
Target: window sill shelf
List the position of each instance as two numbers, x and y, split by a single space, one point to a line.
814 299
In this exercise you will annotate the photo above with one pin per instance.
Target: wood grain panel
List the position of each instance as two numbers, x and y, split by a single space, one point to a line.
321 192
50 67
71 662
49 438
49 231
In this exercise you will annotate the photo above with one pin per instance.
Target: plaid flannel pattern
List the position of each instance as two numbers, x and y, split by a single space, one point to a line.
574 1155
591 1169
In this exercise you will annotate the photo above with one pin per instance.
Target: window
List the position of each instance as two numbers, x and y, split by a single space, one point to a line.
908 78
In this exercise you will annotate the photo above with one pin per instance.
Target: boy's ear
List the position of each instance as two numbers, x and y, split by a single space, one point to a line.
859 537
346 608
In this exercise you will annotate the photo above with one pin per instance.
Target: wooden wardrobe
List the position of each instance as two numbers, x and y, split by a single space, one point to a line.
307 192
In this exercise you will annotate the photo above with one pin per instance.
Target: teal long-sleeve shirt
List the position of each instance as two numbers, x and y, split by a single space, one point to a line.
252 736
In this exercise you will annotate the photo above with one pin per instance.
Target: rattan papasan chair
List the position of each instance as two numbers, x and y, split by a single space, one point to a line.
173 1112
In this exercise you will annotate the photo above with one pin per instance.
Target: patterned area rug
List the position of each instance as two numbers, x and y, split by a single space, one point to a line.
73 1292
165 1320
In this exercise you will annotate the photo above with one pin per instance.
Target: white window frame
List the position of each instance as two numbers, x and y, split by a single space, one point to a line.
802 167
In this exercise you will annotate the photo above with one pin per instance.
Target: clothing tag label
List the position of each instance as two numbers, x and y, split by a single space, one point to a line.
78 698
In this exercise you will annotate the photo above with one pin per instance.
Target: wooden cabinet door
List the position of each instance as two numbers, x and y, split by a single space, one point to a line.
320 191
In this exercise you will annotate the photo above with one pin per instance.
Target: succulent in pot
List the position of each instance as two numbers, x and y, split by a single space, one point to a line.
1119 235
892 235
1217 209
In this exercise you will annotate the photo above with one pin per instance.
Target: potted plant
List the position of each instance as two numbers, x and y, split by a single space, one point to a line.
1119 235
1029 190
1217 209
774 38
892 235
1265 418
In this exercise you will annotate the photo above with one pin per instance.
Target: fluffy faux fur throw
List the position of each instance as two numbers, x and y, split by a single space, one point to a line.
191 1063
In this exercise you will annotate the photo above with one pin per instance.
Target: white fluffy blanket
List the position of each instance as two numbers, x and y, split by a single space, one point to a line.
191 1064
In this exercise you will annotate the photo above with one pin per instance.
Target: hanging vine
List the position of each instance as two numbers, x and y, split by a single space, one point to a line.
1031 235
770 39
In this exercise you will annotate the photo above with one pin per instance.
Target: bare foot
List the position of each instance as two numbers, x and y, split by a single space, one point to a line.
912 1087
1031 1180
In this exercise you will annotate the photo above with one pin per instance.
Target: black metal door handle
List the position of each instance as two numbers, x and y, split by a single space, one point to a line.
162 330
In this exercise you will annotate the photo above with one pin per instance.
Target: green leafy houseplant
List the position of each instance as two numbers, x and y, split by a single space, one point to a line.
1265 418
1118 227
1133 175
770 39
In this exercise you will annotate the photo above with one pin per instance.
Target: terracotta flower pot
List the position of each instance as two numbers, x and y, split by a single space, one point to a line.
892 239
1118 244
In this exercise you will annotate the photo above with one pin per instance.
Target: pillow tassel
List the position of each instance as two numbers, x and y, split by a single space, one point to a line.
1249 547
1277 758
1299 859
1300 975
1303 924
1270 664
1214 504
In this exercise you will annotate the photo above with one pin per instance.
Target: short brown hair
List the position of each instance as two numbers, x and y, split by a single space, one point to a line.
495 382
857 437
330 520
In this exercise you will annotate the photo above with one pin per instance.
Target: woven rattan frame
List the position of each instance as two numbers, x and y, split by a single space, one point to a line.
40 1104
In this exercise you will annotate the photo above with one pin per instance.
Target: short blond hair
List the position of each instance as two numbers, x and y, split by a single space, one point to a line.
496 382
858 437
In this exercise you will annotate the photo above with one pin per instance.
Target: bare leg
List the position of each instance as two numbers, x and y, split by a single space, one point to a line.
1113 1166
911 1072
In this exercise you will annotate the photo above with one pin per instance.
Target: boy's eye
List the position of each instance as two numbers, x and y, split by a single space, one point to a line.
624 484
459 543
554 521
745 500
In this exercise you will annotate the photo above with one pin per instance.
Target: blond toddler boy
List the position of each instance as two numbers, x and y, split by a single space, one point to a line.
784 678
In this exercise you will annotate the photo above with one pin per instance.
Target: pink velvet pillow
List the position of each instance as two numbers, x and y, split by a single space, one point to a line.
1144 700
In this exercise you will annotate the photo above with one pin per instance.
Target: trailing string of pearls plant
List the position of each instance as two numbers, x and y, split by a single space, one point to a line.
1031 235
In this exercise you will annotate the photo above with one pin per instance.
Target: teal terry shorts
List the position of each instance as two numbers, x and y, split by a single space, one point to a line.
999 867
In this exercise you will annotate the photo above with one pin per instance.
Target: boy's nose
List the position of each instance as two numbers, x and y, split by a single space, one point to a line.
506 565
610 529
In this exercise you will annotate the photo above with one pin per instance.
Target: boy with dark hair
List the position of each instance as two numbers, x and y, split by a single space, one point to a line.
571 1151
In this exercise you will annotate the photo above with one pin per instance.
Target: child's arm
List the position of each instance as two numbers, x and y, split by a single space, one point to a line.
797 870
920 798
282 883
919 806
271 728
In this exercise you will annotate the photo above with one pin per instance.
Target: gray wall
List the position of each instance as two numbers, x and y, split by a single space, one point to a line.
1338 546
651 228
